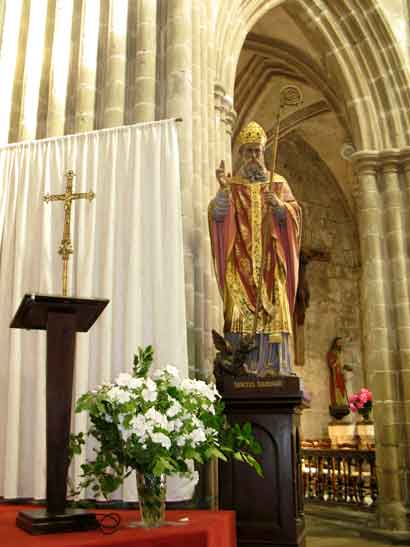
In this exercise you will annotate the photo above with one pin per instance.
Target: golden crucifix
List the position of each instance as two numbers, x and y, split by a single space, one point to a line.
66 246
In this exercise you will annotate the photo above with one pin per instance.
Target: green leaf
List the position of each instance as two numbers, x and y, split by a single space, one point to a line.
214 452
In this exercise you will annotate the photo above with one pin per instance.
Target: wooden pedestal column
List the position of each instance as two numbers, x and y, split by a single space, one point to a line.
62 318
269 510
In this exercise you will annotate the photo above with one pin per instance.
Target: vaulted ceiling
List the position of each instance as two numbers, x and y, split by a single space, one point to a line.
276 53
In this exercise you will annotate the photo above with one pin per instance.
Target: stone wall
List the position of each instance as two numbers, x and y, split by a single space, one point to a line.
397 13
328 226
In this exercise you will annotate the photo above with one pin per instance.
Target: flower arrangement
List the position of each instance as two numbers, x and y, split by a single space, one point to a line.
155 425
362 402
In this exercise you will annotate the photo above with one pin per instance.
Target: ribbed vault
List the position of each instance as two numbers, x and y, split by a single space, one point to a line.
360 58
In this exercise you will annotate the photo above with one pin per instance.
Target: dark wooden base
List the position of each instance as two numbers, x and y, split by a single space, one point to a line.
41 522
269 510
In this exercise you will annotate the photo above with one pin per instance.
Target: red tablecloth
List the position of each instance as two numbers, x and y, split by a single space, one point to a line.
203 529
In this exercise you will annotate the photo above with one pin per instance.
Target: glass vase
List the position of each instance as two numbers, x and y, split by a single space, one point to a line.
151 496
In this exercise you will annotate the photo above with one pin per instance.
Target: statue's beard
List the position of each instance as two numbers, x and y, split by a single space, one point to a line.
254 170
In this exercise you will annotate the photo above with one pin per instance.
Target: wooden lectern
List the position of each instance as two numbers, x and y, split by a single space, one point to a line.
62 317
270 509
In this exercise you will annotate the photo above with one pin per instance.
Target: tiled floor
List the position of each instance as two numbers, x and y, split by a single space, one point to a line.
323 534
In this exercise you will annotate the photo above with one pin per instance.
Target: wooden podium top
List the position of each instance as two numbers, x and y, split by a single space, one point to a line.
34 309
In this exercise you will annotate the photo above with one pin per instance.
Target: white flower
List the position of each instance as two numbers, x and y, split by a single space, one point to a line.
174 409
206 390
125 433
175 425
197 436
170 371
135 383
123 379
157 374
196 423
161 439
150 391
173 373
182 440
118 395
157 418
139 426
187 384
149 384
210 432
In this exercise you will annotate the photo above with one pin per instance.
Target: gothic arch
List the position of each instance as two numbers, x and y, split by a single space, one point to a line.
360 54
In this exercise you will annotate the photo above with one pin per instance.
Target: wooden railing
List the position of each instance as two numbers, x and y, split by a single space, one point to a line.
340 476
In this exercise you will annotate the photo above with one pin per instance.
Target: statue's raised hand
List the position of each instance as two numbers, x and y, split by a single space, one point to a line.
222 177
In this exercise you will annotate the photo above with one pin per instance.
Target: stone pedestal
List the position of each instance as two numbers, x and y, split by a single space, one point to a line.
365 432
342 434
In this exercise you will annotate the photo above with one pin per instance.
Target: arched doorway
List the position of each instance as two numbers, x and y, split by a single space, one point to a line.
345 58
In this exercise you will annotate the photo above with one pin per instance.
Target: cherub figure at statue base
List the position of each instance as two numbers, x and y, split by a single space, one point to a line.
240 357
231 359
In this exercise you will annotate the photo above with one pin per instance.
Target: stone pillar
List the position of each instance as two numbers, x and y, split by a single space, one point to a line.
405 370
31 78
60 63
392 434
378 347
145 61
198 195
10 33
205 174
114 91
214 159
178 103
84 115
398 259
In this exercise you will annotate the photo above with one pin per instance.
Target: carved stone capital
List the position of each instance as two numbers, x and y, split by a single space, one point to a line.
389 161
365 162
405 158
219 94
230 120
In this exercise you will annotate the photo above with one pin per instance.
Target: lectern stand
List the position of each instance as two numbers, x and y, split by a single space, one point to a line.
62 318
269 510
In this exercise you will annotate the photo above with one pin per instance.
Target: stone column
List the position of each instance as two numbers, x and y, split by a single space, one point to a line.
398 256
198 195
405 370
214 160
60 63
84 117
12 26
114 91
145 61
378 351
392 434
31 78
178 103
207 192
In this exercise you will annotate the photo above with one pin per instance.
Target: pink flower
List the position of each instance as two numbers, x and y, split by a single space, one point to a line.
361 400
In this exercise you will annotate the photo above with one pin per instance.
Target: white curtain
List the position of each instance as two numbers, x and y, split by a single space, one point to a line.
128 248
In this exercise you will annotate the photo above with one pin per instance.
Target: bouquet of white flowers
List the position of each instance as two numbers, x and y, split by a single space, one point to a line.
155 426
